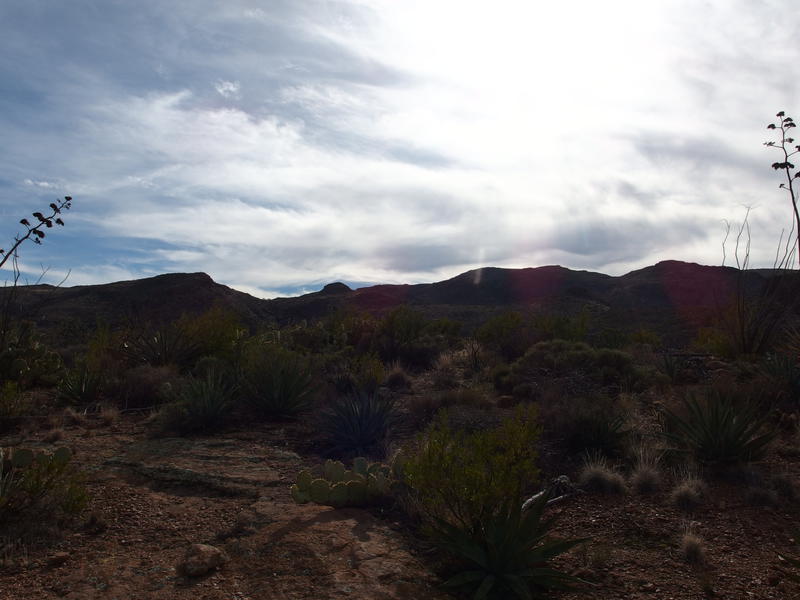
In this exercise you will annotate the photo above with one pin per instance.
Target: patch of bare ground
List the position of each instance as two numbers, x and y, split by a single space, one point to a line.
152 498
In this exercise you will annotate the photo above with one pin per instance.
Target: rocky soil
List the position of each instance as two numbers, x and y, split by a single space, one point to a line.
153 499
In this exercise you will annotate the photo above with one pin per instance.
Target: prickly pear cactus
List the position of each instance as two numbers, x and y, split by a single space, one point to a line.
22 458
338 487
304 479
333 471
356 493
298 495
320 491
360 465
339 495
62 455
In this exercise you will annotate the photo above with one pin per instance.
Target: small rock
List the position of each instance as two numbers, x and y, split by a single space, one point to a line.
58 559
201 559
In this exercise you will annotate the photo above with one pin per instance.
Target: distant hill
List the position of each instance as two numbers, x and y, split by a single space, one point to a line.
671 297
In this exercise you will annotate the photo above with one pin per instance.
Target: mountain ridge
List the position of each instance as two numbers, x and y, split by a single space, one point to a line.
668 294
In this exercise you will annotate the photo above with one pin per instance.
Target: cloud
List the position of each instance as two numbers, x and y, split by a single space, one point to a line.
227 89
282 145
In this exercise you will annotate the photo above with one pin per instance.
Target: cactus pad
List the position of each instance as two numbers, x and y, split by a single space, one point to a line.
320 491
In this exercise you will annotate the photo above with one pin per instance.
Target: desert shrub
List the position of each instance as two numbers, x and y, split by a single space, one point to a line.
581 368
39 486
143 386
463 478
562 326
26 360
357 424
81 385
587 425
199 405
276 382
719 430
213 333
401 335
12 404
364 372
597 475
509 554
525 391
501 379
444 374
509 335
424 408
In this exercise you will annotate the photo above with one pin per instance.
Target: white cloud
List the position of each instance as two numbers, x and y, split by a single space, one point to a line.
228 89
408 141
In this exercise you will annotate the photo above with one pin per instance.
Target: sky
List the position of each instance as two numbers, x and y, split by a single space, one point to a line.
279 145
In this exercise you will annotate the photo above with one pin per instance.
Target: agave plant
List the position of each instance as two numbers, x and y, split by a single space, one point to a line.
509 554
719 430
357 423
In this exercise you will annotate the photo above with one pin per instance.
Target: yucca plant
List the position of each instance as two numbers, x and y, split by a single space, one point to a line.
357 423
167 346
81 385
509 555
277 382
719 430
202 404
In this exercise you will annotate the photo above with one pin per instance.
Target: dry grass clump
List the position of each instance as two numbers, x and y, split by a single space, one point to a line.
598 476
109 415
424 408
397 379
689 493
54 435
73 417
646 476
693 548
445 374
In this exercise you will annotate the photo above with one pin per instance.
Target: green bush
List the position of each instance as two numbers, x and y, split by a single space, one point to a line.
276 382
200 405
508 555
363 373
463 478
213 333
406 335
509 335
581 366
36 486
357 424
719 430
12 404
28 361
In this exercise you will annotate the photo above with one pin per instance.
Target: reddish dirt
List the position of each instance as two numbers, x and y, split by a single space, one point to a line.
153 498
